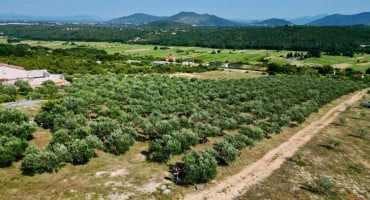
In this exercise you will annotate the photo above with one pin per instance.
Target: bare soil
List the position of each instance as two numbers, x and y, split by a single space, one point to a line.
239 183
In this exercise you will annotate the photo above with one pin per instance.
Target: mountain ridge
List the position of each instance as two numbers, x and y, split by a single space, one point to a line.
343 20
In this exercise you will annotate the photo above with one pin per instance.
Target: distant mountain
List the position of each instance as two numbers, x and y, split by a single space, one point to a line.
306 19
138 19
192 18
27 18
273 22
343 20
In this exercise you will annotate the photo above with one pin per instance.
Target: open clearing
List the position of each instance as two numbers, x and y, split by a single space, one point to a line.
239 183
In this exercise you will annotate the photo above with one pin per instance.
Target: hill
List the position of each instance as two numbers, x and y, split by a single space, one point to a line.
192 18
138 18
343 20
306 19
273 22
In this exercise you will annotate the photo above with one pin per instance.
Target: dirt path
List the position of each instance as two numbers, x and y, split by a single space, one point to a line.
239 183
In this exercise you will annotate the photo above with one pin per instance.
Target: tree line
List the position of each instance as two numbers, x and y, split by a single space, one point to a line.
333 40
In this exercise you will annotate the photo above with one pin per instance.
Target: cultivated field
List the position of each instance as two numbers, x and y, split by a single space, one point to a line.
114 99
333 165
251 58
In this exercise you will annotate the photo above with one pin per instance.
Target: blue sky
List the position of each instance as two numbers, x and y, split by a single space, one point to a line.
243 9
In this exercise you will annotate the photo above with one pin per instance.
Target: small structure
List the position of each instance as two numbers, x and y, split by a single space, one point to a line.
188 63
158 63
9 74
133 61
170 58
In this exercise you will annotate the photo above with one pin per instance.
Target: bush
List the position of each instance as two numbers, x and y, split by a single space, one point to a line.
324 185
11 149
10 115
61 137
80 152
23 131
103 128
61 152
94 143
198 167
252 132
119 142
239 141
158 152
39 161
226 151
23 87
6 157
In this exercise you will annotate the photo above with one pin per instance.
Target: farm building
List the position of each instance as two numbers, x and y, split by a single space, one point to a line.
170 58
10 74
158 63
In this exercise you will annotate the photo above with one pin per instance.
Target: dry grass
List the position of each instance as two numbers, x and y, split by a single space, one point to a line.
347 164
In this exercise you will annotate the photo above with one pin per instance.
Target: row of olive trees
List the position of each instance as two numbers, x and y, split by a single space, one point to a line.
174 114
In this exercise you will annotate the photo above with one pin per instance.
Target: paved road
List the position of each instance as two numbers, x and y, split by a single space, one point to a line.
23 103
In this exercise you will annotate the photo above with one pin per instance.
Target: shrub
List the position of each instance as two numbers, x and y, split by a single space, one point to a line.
158 152
23 87
94 143
80 152
226 151
61 137
6 157
103 128
23 131
252 132
10 115
61 152
198 167
324 185
39 161
11 149
239 141
119 142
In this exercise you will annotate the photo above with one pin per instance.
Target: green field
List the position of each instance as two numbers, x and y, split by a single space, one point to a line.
252 58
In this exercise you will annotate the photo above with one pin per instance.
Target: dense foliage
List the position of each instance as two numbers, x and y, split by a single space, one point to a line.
110 111
335 40
81 59
15 130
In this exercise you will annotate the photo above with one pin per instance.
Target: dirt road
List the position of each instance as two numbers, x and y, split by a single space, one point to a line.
239 183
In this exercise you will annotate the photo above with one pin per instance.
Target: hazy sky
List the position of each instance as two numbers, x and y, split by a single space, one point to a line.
244 9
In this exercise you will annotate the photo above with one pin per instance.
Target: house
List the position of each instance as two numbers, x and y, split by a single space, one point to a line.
158 63
170 58
133 61
188 63
9 74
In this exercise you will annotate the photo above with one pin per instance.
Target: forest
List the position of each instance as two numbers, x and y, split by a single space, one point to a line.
110 112
333 40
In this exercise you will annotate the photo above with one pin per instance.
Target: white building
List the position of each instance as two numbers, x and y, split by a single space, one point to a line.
10 74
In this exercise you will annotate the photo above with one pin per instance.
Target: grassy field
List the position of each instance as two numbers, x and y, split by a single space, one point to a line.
333 165
359 62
